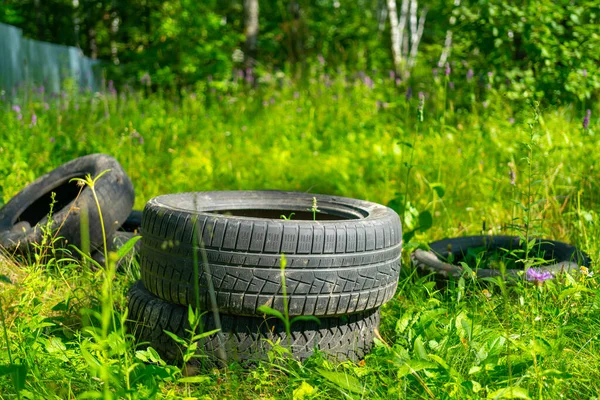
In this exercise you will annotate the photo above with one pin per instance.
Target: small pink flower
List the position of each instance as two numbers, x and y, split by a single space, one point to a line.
33 120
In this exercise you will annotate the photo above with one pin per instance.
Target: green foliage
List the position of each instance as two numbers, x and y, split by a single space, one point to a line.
65 322
544 50
536 49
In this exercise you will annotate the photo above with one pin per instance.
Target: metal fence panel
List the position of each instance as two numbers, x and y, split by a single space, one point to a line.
31 63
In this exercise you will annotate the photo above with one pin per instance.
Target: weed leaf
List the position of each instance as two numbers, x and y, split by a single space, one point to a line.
269 311
18 371
514 392
127 247
342 380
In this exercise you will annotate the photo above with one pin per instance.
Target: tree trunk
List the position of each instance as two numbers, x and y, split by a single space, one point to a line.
251 30
396 35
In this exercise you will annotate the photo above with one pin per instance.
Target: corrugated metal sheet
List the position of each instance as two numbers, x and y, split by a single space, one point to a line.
31 63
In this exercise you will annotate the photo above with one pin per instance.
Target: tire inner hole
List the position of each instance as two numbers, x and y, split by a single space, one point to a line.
300 215
39 209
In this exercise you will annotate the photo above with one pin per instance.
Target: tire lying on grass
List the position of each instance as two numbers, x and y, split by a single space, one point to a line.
564 257
22 218
345 261
247 338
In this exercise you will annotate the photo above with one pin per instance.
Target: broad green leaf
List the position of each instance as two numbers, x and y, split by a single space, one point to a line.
514 392
474 386
194 379
412 366
202 335
425 220
572 292
407 236
127 247
439 189
175 338
18 372
307 318
419 349
270 311
192 316
343 380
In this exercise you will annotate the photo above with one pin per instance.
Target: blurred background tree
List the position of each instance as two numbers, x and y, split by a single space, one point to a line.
544 49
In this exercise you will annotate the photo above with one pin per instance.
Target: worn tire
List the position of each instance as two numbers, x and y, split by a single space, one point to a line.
23 216
247 338
566 258
133 222
114 244
347 261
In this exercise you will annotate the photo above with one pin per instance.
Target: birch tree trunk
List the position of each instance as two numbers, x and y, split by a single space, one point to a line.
251 30
396 35
405 39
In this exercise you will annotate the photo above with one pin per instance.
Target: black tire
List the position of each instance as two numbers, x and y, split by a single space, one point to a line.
247 338
23 216
566 258
115 243
132 223
346 261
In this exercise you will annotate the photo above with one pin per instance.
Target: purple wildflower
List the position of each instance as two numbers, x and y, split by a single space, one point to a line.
249 76
586 119
321 59
146 80
434 72
46 106
19 116
451 85
469 74
16 109
368 81
408 93
511 120
392 75
448 70
490 74
111 88
33 120
41 89
296 95
538 276
584 73
398 81
52 139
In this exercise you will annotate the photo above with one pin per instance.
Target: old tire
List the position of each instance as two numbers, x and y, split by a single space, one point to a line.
247 338
23 216
346 261
133 222
566 258
115 243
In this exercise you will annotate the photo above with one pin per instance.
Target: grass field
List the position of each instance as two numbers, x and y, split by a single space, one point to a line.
351 138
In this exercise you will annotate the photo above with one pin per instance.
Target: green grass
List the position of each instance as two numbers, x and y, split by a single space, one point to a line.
470 341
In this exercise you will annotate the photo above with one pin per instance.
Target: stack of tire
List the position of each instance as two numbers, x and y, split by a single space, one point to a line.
222 251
